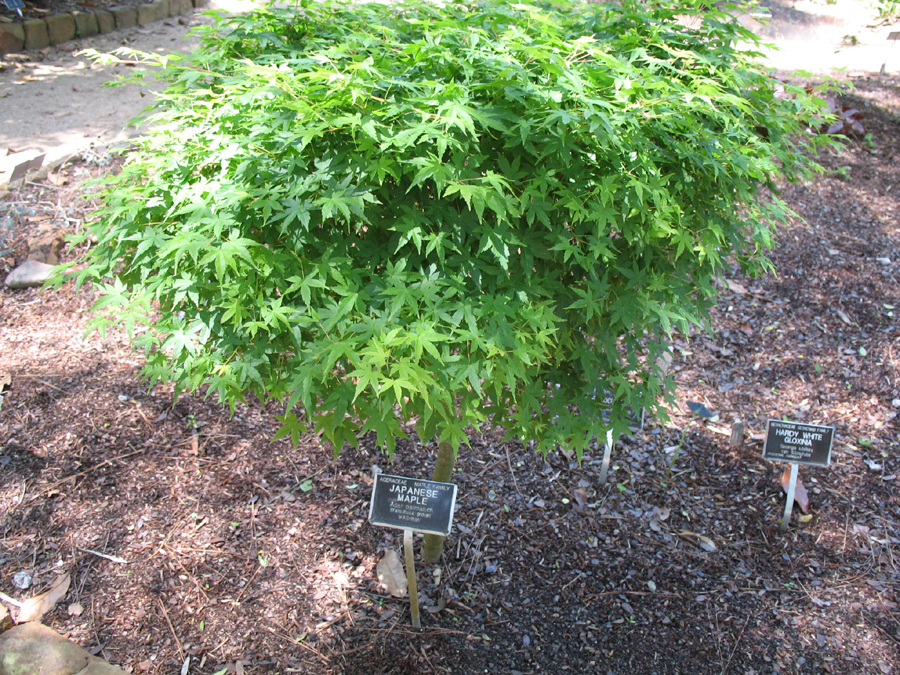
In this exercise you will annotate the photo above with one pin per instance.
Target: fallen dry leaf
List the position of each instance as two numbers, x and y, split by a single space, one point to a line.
801 496
711 346
35 608
700 540
57 179
581 497
861 529
391 574
736 287
661 513
434 609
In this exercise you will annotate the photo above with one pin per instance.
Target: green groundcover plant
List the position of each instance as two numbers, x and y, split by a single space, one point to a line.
452 214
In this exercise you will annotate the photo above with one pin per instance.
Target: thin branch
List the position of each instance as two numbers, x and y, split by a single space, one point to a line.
84 473
172 628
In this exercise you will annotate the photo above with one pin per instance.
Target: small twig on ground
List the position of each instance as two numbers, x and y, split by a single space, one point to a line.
244 589
144 417
419 633
578 576
512 473
84 473
191 577
607 593
293 641
422 648
44 382
172 628
489 467
718 635
883 631
111 558
736 643
266 591
166 540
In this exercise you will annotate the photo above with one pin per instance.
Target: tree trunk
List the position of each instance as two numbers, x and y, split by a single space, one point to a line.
443 472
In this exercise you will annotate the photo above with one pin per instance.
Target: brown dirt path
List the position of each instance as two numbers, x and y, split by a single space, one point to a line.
57 101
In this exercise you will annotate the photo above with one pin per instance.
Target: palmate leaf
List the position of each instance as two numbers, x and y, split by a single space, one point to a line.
290 426
447 214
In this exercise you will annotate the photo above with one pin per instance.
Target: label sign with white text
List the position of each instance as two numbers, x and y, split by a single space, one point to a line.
635 419
412 504
798 443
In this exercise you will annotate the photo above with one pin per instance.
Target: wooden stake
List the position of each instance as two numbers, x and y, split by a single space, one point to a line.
411 578
737 435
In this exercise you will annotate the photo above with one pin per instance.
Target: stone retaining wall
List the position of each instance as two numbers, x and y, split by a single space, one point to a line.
54 30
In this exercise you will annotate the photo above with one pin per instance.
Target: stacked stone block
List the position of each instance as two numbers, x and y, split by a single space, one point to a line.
54 30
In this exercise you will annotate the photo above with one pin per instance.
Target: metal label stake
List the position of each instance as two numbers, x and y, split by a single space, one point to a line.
789 507
412 505
797 443
607 453
635 423
411 578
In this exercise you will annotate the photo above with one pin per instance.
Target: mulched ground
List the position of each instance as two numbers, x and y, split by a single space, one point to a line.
244 555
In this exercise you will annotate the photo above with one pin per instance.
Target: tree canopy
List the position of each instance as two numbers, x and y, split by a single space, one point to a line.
462 213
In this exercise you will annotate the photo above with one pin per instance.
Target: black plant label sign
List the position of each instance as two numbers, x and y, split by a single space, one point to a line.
412 504
798 443
635 417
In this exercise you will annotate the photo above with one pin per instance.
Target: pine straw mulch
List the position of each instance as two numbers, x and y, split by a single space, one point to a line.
245 555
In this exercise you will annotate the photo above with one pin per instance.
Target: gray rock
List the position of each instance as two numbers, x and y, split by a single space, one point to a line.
12 38
46 244
6 621
155 11
22 580
36 36
177 7
18 164
86 24
106 22
27 275
162 9
33 649
60 28
126 16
